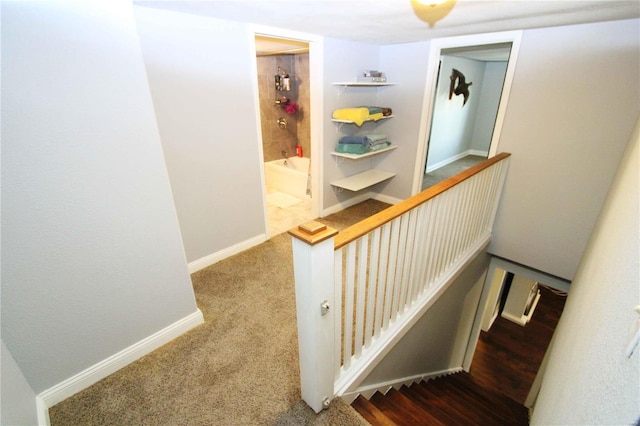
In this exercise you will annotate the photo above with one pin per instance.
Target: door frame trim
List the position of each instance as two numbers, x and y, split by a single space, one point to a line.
316 67
435 48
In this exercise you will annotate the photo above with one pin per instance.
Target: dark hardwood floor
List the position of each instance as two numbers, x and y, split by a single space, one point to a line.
492 393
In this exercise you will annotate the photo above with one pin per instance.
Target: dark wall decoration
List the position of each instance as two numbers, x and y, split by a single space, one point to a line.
462 87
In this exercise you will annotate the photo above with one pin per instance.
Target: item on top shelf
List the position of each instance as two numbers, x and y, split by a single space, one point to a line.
372 76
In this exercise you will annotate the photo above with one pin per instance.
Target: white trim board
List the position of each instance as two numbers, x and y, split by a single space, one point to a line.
435 48
209 260
455 158
104 368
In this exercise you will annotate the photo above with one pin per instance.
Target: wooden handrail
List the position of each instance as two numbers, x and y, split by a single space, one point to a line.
367 225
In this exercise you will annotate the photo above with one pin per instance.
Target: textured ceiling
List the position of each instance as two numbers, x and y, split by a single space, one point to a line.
395 21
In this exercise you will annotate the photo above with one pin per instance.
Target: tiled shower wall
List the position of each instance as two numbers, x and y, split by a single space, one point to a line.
274 139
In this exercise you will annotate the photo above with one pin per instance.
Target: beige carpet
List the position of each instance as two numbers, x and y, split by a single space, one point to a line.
239 368
449 170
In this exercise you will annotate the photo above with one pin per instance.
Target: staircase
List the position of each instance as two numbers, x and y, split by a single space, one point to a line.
449 400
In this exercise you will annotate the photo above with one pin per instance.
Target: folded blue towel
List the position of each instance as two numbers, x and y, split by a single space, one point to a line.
361 140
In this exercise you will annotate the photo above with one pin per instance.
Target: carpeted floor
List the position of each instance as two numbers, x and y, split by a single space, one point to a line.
239 368
449 170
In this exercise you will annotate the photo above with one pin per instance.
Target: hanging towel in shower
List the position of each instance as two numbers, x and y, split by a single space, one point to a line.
357 115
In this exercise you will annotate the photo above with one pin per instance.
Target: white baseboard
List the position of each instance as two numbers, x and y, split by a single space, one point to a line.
42 412
386 199
350 202
384 387
455 158
99 371
209 260
357 200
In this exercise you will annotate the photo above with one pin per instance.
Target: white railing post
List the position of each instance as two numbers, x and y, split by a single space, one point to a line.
313 265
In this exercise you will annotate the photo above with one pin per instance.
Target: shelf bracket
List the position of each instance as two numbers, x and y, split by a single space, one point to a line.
338 160
337 190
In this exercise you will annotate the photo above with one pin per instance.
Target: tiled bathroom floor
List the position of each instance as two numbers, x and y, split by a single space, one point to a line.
281 220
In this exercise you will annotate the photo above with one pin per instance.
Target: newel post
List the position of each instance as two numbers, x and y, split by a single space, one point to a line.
313 265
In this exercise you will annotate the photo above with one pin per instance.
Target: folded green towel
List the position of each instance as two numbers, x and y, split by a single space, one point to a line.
360 149
352 148
379 146
375 137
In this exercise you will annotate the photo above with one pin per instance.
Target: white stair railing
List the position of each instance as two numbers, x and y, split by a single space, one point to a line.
359 291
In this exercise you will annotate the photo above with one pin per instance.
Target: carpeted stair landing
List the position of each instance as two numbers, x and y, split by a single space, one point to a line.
239 368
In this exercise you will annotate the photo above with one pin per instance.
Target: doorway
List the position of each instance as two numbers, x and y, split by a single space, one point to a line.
286 69
462 125
514 324
460 130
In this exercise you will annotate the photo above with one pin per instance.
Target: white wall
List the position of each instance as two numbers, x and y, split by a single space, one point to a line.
18 405
202 76
343 61
405 99
453 124
92 257
588 377
574 100
494 73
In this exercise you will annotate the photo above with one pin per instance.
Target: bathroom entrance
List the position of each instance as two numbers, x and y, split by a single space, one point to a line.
284 96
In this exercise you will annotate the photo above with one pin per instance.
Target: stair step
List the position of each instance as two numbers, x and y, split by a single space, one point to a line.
454 399
500 404
371 413
439 407
402 410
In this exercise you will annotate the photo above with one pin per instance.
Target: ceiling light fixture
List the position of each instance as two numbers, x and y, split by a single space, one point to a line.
431 3
431 11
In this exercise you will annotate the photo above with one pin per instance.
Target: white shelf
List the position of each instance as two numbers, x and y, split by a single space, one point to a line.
384 117
363 84
363 180
365 155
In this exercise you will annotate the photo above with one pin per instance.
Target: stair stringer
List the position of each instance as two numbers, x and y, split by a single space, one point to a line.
384 387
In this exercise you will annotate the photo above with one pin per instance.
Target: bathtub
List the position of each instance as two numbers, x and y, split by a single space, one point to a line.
288 175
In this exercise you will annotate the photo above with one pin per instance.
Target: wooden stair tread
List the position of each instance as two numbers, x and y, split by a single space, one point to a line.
437 406
402 410
448 400
371 413
499 402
